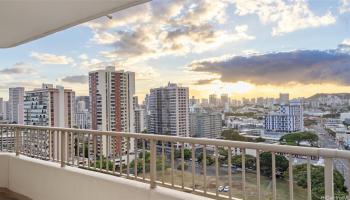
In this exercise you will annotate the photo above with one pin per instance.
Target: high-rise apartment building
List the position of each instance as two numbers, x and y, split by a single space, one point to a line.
140 115
169 110
86 100
111 104
49 106
2 109
140 120
16 99
82 115
289 118
284 98
205 124
6 110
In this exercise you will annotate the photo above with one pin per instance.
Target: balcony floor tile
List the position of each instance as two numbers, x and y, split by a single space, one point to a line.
6 194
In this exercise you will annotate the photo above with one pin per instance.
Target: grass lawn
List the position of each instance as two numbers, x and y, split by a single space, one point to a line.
266 185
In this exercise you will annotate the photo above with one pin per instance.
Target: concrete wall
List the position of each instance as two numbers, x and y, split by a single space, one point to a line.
41 180
4 169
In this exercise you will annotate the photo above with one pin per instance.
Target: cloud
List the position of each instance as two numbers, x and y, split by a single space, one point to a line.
204 81
164 27
302 66
344 46
83 57
143 43
75 79
285 16
18 68
346 42
28 84
345 6
51 59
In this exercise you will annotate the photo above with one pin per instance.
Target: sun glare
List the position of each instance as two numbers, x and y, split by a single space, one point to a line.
239 87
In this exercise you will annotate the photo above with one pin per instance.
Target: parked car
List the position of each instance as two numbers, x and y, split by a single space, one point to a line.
220 188
226 188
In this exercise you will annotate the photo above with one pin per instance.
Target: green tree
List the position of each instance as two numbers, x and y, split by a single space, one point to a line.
317 181
234 135
309 122
187 154
209 158
298 137
260 139
105 163
250 161
147 163
231 134
266 164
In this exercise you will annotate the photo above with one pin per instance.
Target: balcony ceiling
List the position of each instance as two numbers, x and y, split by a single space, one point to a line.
22 21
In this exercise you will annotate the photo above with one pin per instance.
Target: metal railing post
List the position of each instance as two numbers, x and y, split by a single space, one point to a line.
153 163
17 141
63 148
328 178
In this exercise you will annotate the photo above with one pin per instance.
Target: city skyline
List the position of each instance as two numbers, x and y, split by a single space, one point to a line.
208 54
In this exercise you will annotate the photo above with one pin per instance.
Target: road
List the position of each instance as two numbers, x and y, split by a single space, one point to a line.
327 141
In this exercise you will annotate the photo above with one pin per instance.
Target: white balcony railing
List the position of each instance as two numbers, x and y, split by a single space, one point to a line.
126 155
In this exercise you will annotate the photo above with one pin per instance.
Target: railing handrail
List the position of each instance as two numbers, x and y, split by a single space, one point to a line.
307 151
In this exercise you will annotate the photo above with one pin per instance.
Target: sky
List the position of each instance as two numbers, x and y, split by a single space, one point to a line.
246 48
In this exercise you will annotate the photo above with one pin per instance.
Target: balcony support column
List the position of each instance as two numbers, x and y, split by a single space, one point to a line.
153 163
63 148
17 139
328 178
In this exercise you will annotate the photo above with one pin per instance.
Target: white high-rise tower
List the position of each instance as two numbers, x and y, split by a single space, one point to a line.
111 104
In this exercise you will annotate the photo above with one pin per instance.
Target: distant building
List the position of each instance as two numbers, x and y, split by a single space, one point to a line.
49 106
345 117
16 99
194 101
205 124
140 116
289 118
252 101
204 102
260 101
241 123
235 103
225 100
82 115
169 110
140 120
2 114
86 100
284 98
245 101
213 100
135 102
6 110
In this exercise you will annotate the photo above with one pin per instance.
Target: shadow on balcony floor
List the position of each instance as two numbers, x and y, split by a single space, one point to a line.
6 194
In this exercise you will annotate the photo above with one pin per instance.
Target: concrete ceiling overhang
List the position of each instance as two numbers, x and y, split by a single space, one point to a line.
22 21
